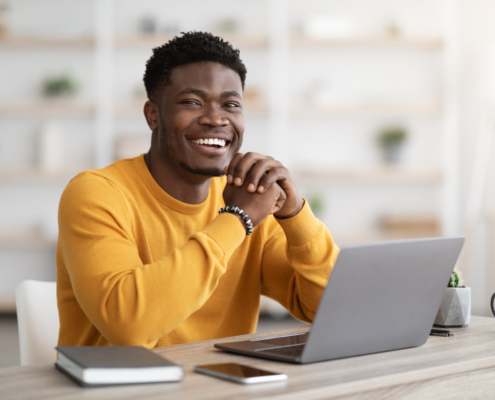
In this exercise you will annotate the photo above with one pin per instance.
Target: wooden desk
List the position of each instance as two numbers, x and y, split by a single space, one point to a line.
459 367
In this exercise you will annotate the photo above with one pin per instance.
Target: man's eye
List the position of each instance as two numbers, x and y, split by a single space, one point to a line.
194 102
230 104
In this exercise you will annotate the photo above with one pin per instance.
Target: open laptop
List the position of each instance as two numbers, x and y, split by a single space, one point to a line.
380 297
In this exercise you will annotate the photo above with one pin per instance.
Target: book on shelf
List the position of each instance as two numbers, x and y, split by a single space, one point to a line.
117 365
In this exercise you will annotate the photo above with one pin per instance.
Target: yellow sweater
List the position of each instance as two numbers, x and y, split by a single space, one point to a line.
137 267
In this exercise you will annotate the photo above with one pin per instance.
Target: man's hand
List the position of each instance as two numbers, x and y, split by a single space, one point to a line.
257 174
256 205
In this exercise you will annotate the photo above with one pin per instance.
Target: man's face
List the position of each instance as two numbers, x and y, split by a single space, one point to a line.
201 120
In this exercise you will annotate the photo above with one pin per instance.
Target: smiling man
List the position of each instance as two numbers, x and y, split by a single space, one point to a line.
148 253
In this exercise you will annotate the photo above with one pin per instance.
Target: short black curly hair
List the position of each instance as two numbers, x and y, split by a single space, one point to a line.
189 48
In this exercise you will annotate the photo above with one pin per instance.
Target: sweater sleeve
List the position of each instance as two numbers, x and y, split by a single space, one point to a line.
128 302
298 257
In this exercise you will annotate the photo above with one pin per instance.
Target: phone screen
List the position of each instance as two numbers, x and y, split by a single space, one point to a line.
239 373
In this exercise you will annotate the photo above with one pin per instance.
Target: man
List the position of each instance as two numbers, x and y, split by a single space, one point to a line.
145 258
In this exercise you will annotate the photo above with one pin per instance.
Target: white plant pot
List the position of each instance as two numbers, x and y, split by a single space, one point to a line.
455 309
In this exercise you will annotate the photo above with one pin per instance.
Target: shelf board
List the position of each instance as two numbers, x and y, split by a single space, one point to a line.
378 174
346 238
151 41
369 41
28 240
237 40
47 108
44 42
34 175
370 108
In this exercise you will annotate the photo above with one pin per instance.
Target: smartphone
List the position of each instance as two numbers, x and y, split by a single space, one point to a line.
239 373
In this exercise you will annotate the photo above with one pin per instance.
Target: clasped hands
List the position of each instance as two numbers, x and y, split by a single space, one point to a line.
261 186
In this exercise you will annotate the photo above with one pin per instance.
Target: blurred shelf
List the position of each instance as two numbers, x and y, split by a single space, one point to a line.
346 238
29 240
370 108
131 108
13 42
377 174
151 41
36 175
369 41
47 108
134 108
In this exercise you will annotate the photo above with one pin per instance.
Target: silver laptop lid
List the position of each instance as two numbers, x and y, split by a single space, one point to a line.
381 297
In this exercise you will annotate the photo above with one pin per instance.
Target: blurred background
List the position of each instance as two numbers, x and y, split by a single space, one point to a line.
381 109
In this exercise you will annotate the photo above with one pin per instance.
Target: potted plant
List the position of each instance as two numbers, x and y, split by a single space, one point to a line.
391 141
63 85
455 309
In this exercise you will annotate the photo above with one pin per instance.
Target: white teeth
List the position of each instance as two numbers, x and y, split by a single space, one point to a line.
211 141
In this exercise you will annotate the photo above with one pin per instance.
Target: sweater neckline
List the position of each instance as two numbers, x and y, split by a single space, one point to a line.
163 196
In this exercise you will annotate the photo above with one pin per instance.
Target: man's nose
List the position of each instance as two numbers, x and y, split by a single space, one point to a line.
213 116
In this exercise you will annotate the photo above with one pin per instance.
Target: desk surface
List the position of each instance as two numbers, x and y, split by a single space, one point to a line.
462 366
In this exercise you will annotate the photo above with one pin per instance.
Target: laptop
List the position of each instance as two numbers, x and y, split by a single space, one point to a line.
380 297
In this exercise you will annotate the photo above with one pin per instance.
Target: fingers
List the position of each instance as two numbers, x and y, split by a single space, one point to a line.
231 168
278 175
280 199
249 168
260 171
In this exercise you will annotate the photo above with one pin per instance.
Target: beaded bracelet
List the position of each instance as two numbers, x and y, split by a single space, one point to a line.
237 210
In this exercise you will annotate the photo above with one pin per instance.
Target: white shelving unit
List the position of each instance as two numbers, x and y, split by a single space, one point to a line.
279 112
442 108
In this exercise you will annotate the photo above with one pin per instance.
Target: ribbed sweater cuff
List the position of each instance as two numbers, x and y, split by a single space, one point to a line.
300 228
227 231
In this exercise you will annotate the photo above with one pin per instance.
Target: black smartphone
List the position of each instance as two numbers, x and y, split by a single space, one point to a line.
239 373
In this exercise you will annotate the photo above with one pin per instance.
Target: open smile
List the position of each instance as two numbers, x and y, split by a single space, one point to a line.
210 145
215 142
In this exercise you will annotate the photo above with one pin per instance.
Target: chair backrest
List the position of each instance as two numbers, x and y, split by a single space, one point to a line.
37 318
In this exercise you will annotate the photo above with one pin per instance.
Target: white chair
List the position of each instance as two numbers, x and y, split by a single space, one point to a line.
37 318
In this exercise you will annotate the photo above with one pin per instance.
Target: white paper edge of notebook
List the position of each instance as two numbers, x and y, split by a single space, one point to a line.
95 376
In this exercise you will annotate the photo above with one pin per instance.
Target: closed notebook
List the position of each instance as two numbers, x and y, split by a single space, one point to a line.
118 365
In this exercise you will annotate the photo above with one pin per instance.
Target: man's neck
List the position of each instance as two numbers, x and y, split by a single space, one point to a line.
181 185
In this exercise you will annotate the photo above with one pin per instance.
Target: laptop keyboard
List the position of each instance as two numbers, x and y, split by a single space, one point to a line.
291 351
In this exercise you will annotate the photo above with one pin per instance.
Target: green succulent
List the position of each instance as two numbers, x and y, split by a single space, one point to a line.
455 279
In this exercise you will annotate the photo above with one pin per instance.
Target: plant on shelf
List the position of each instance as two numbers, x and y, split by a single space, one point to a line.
391 140
62 85
317 204
455 309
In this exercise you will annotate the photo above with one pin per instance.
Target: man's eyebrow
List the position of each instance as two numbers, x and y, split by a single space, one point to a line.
198 92
230 93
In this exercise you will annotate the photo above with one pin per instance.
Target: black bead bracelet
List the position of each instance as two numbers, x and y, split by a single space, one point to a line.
237 210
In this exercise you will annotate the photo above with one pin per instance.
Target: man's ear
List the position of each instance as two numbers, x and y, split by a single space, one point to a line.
151 114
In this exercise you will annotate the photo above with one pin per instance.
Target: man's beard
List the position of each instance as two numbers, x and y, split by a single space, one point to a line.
205 171
170 153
